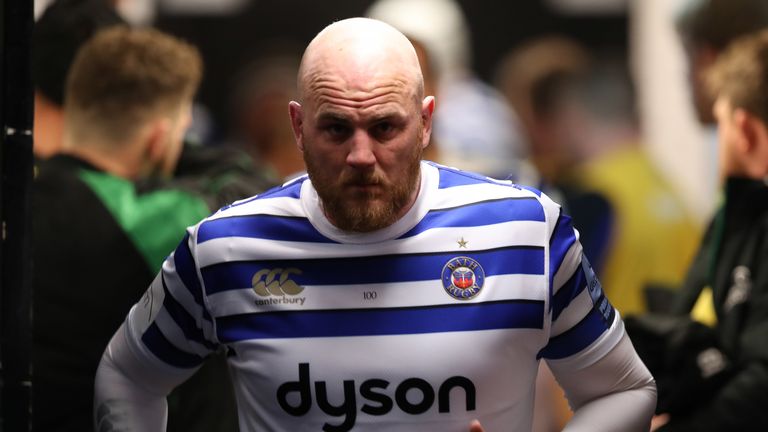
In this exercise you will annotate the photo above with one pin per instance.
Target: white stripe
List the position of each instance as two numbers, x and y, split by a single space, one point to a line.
473 193
571 263
278 206
573 313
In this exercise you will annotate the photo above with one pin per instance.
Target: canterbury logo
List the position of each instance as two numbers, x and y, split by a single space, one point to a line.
276 282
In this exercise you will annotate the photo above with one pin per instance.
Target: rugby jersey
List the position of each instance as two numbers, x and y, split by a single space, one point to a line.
433 321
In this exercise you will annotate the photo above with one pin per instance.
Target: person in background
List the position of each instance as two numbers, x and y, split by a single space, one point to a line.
581 118
222 174
56 37
519 72
580 122
475 129
706 27
379 291
261 128
99 231
710 357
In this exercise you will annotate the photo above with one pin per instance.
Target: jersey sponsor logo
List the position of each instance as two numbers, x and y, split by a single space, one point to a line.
413 396
277 285
463 277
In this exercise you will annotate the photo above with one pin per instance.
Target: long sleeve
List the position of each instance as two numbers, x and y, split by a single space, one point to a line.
164 340
615 393
588 351
128 396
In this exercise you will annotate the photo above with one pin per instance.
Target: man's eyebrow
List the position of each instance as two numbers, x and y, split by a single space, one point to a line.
332 117
389 115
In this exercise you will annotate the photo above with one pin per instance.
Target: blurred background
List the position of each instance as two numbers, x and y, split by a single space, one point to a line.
589 100
239 38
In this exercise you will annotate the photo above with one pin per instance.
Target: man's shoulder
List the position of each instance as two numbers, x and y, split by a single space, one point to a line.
451 177
283 200
473 187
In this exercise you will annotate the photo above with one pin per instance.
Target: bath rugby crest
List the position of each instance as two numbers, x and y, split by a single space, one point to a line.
463 278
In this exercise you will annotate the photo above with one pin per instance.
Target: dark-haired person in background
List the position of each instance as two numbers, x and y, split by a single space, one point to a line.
706 27
57 35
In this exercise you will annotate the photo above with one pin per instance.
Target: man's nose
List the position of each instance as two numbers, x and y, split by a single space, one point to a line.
361 152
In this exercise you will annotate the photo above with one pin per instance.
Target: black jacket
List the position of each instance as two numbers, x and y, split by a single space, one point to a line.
733 261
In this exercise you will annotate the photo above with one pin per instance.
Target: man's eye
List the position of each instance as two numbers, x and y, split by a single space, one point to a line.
384 130
337 130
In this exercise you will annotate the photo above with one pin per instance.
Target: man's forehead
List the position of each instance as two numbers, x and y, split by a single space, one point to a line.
356 89
383 107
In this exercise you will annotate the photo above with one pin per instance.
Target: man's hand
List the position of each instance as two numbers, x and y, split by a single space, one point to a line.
475 426
657 421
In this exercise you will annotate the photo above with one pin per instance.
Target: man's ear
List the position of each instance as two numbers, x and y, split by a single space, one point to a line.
156 140
753 142
296 112
427 109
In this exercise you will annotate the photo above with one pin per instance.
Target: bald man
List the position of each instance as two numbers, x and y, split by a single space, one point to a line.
379 292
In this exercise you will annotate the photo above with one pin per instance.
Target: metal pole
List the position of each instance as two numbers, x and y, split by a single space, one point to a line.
16 169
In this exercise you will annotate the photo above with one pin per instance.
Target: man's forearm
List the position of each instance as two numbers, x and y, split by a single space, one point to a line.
617 393
128 395
625 411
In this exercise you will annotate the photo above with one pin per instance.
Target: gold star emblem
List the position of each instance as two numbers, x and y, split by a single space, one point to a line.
462 243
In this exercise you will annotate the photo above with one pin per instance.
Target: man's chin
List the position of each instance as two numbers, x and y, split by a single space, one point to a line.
366 216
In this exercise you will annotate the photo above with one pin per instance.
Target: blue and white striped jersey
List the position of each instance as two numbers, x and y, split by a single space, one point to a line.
424 325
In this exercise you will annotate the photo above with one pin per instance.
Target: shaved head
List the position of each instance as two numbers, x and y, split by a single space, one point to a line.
360 52
362 122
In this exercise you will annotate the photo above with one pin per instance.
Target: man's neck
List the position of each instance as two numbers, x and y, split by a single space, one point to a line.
120 164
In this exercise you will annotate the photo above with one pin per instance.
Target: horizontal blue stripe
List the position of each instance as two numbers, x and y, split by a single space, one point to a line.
267 227
184 320
451 178
576 338
482 213
572 288
156 341
376 269
377 322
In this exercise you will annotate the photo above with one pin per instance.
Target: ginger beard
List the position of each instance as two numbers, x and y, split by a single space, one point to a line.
365 210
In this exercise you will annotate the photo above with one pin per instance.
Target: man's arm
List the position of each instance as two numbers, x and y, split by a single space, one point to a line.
129 395
615 393
164 340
